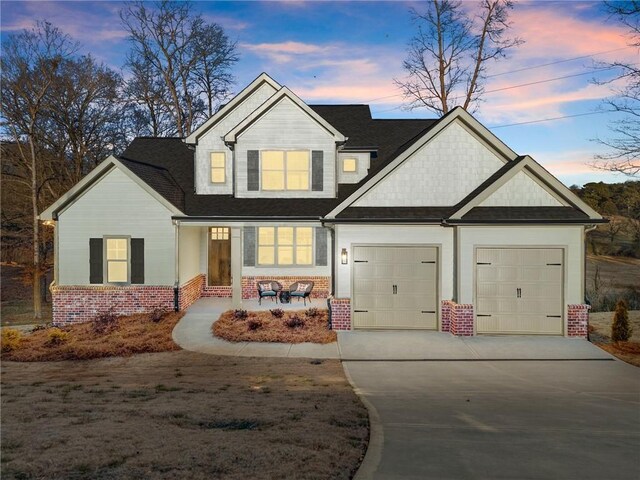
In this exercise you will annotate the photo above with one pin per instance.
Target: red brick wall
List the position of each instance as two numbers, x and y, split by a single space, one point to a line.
77 304
321 285
190 291
217 291
445 315
340 314
577 320
461 319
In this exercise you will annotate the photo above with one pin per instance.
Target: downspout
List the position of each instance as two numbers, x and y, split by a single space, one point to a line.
455 264
587 229
333 268
233 167
176 284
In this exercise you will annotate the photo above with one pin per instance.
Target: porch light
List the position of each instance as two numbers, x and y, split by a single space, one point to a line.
344 258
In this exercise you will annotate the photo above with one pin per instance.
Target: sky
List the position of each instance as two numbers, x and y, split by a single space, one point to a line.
351 52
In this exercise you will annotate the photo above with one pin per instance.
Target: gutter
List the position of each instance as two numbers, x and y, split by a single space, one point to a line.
252 218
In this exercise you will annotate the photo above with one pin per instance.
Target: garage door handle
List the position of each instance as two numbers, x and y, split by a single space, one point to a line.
361 311
395 289
519 292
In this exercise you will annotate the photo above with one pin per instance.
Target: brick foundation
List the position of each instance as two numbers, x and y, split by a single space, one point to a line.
577 320
340 314
320 285
460 319
190 291
77 304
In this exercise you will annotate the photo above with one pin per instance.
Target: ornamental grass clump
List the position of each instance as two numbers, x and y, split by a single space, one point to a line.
11 339
57 336
620 327
312 312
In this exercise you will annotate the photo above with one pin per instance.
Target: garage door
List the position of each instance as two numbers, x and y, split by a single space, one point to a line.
519 290
395 287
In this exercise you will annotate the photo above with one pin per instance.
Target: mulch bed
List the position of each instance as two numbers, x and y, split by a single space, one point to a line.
124 336
311 325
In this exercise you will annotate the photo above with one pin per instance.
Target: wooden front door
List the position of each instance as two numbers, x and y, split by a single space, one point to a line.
219 256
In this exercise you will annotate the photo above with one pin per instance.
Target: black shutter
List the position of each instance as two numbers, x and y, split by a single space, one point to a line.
321 246
317 169
253 170
137 260
249 247
96 254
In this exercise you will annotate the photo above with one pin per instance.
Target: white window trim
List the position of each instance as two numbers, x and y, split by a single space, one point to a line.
294 246
105 261
224 169
350 172
285 151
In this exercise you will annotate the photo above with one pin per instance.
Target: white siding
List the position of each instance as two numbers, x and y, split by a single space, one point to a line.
568 237
441 173
189 251
116 205
521 191
284 127
212 141
349 235
362 166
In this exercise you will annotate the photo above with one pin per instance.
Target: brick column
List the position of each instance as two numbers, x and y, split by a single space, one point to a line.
461 319
445 315
340 314
577 320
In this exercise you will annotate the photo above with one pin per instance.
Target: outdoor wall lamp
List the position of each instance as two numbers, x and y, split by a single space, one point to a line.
344 258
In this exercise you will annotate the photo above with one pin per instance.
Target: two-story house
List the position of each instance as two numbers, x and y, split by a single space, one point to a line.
417 224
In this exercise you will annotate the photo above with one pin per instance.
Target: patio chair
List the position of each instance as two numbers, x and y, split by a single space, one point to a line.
301 290
268 288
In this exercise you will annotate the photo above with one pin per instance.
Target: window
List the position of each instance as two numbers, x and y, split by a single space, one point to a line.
285 246
117 260
349 164
218 173
219 233
285 170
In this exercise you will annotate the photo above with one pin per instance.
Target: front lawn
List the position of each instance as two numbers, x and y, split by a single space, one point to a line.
180 415
276 325
109 336
600 335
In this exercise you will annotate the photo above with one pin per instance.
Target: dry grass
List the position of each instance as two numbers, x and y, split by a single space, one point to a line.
600 335
263 326
180 415
17 298
128 336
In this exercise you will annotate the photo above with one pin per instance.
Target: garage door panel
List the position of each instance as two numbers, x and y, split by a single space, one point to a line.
413 270
519 290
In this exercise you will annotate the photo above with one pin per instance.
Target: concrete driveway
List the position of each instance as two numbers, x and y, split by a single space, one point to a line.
471 418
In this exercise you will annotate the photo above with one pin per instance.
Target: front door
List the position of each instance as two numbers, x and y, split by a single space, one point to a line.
219 256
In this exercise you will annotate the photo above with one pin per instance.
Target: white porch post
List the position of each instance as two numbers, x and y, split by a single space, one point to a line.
236 267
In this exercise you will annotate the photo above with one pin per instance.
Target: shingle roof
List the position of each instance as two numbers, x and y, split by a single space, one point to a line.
167 164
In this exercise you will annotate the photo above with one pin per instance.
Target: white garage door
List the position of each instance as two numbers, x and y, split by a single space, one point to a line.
519 290
395 287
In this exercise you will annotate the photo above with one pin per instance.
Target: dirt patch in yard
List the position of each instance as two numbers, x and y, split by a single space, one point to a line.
123 336
600 335
180 415
311 325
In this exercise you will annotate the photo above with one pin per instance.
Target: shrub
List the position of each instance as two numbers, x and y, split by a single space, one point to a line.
11 339
277 312
254 324
157 314
240 314
312 312
294 322
620 328
57 336
105 322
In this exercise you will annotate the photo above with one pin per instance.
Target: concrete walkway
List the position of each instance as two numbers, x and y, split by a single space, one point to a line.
193 332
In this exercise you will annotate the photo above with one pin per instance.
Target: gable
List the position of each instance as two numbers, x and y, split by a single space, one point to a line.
440 173
522 191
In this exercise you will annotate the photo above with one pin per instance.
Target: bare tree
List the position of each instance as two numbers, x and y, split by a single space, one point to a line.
29 64
613 228
624 144
448 57
190 60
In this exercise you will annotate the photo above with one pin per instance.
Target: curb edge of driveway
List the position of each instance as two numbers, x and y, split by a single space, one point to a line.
372 456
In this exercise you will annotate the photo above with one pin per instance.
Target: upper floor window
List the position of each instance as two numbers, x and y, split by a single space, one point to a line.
349 165
218 167
285 170
117 257
285 246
